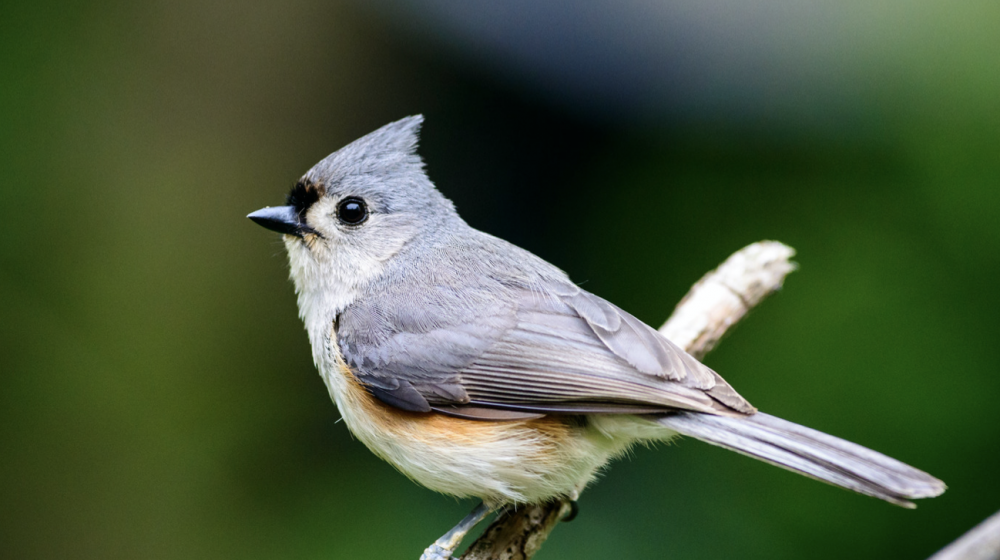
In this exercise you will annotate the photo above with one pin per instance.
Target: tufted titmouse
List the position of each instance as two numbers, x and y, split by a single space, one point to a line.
478 369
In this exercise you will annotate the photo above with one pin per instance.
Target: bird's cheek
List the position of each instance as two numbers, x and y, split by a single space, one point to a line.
311 241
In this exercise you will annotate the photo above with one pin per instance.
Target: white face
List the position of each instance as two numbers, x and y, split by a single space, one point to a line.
353 240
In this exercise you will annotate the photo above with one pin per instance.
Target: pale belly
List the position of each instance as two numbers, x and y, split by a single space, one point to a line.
521 461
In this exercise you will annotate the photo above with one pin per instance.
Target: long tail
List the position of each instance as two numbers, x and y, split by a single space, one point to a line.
812 453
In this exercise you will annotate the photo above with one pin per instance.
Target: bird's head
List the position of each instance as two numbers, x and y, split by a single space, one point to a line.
354 211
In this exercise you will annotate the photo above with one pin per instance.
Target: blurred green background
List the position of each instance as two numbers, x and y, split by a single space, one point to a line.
158 398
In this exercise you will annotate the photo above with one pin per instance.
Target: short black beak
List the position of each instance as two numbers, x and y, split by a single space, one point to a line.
282 219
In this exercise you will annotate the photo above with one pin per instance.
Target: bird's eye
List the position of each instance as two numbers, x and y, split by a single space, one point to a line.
352 211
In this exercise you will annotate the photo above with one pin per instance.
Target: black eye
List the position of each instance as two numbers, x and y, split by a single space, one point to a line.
352 211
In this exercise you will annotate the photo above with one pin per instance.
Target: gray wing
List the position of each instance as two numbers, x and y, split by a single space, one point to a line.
551 349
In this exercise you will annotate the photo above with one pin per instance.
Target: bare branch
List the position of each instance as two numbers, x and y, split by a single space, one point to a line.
982 542
517 535
711 308
725 295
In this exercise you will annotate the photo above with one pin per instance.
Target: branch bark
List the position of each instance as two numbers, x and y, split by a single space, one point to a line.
711 308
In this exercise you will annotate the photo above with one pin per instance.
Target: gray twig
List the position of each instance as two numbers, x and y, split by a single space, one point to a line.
982 542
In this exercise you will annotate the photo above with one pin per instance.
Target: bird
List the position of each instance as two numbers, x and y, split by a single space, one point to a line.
480 370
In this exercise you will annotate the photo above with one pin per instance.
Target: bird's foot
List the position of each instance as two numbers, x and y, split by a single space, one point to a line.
437 552
443 548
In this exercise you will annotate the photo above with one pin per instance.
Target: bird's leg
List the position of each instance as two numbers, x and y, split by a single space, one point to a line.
443 548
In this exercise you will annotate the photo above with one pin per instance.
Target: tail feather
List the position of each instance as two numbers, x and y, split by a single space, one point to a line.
811 453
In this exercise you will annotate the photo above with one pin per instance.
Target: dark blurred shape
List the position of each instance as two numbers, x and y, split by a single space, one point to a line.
633 60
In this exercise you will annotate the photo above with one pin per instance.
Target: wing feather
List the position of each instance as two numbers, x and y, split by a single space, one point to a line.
552 348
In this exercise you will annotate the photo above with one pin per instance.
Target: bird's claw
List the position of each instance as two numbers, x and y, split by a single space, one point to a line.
443 548
437 552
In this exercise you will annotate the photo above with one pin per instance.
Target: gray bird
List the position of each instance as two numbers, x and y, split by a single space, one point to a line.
480 370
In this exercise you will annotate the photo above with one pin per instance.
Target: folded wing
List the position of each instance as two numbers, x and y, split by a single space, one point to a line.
551 349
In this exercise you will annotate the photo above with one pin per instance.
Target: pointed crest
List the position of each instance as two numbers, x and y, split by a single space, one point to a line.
382 164
399 136
387 149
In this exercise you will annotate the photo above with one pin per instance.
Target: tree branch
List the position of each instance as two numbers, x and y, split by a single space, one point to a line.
711 308
982 542
725 295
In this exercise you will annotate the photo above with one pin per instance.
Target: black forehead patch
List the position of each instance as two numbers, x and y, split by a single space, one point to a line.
302 196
